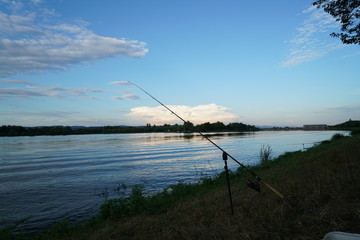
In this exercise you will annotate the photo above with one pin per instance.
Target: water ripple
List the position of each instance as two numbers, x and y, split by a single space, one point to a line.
50 178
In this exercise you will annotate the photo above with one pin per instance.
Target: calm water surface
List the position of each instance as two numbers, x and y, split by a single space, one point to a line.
51 178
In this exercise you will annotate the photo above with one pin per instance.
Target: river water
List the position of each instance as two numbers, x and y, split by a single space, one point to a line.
51 178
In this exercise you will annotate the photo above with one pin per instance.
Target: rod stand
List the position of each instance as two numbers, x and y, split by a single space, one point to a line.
225 157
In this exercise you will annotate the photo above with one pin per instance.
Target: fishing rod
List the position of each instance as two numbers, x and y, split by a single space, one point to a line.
253 185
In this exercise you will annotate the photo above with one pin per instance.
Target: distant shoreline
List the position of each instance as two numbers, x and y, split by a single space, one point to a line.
188 127
9 130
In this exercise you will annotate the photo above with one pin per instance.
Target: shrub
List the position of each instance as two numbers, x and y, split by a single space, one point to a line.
337 136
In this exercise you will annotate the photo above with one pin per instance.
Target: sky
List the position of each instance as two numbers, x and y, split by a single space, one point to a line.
267 63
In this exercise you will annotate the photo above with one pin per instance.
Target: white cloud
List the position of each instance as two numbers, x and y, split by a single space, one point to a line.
197 114
35 41
312 38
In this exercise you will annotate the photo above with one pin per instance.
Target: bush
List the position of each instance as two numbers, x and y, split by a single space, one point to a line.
337 136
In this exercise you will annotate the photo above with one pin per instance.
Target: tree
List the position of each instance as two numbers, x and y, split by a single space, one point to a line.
347 12
188 126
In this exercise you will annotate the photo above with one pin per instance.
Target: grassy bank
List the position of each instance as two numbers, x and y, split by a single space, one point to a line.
323 182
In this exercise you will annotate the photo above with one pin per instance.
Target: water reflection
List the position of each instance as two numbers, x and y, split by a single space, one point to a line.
52 177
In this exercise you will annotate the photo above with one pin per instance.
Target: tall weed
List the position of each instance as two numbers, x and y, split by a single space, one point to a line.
265 153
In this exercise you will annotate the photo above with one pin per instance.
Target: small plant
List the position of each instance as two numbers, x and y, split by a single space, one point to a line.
265 153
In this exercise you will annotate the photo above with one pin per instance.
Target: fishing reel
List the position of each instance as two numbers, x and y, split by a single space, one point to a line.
253 185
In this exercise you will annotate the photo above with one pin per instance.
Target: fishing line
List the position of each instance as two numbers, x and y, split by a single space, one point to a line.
251 184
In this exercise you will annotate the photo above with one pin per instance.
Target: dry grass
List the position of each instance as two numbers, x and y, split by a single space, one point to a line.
323 181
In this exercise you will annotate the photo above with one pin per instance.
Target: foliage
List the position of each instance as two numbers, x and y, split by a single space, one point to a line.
124 206
265 153
34 131
347 12
8 130
221 127
188 126
137 202
348 125
337 136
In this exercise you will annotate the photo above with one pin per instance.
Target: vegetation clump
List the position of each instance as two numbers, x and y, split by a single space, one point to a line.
337 136
265 153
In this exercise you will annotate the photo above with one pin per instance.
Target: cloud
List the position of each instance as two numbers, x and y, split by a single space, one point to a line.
38 40
351 55
130 96
354 109
197 114
32 93
312 38
48 118
14 81
126 96
121 83
53 114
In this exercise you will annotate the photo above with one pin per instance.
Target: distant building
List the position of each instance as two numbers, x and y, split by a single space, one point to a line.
316 127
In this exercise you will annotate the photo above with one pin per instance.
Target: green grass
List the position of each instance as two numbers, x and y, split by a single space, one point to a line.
322 181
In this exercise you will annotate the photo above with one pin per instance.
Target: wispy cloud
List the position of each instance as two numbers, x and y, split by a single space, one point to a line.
350 109
312 38
37 40
197 114
121 83
126 96
352 55
32 91
48 118
14 81
54 114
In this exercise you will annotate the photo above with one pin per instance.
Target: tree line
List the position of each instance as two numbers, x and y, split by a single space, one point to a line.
10 130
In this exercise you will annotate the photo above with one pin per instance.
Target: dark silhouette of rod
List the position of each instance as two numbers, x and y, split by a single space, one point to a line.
224 152
228 181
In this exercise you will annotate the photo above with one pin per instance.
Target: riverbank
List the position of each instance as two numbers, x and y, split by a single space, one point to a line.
322 181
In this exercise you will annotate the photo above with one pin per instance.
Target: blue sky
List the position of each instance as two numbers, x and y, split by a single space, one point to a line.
271 63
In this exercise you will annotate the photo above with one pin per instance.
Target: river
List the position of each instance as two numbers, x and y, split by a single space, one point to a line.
51 178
